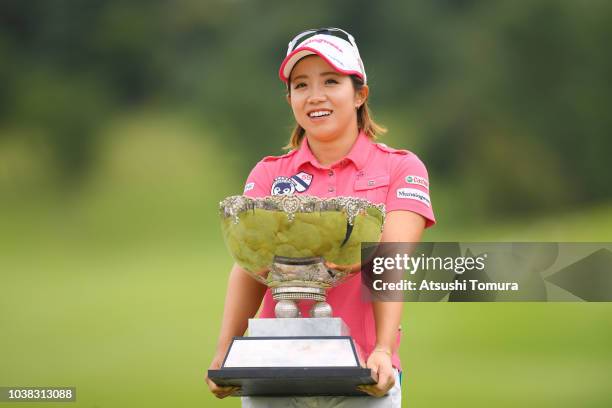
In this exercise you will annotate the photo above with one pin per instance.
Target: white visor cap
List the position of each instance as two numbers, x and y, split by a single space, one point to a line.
339 53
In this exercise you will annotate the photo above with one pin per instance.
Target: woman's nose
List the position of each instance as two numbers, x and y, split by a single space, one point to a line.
316 95
316 99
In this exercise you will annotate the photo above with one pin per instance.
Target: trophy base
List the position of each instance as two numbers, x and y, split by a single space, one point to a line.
294 357
297 381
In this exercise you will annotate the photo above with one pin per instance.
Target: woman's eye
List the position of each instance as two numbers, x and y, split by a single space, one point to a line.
331 81
299 85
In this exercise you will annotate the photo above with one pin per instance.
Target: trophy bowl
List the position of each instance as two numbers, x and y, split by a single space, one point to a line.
299 246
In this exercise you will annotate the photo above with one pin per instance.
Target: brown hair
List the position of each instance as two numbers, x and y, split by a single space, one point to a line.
365 121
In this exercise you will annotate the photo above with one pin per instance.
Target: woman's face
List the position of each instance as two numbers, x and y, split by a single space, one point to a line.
324 102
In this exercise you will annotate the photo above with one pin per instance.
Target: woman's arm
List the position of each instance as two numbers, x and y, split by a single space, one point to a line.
242 300
400 226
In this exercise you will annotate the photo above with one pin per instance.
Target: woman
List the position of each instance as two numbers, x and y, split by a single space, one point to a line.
334 154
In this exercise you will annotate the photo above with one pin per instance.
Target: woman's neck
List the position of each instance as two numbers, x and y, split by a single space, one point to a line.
330 152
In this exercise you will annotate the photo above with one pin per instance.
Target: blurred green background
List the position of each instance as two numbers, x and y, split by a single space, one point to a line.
123 124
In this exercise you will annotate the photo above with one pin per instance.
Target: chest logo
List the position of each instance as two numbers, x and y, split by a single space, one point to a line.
282 186
302 181
288 185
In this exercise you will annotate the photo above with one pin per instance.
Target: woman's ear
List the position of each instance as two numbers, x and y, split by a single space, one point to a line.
361 96
288 97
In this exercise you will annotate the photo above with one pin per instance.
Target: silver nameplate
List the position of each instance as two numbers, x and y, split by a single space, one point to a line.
291 352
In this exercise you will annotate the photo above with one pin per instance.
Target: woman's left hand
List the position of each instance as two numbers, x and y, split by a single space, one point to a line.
380 364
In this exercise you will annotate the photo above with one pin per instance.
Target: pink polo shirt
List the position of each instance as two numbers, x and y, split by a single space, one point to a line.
396 178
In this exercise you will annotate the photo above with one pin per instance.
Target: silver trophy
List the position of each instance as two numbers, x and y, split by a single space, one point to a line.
299 246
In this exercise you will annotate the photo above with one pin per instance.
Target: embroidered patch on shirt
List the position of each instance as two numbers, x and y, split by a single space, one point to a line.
282 186
414 194
417 180
249 187
301 181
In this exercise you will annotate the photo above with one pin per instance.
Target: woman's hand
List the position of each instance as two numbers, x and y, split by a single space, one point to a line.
220 392
380 364
242 300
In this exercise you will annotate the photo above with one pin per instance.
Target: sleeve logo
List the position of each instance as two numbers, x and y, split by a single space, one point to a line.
417 180
414 194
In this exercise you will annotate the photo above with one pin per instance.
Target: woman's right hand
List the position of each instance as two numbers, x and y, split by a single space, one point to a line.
219 391
242 299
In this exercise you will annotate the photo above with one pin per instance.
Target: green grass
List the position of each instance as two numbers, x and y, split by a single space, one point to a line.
587 224
126 312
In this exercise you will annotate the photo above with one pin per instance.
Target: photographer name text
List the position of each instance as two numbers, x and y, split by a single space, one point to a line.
457 265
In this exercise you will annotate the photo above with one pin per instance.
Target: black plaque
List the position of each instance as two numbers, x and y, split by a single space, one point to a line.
294 381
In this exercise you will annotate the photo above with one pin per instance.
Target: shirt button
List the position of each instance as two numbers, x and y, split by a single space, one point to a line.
331 189
330 173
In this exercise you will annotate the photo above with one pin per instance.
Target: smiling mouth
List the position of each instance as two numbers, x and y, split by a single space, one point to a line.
319 114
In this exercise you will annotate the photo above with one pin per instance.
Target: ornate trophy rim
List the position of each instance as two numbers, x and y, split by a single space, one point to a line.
233 206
